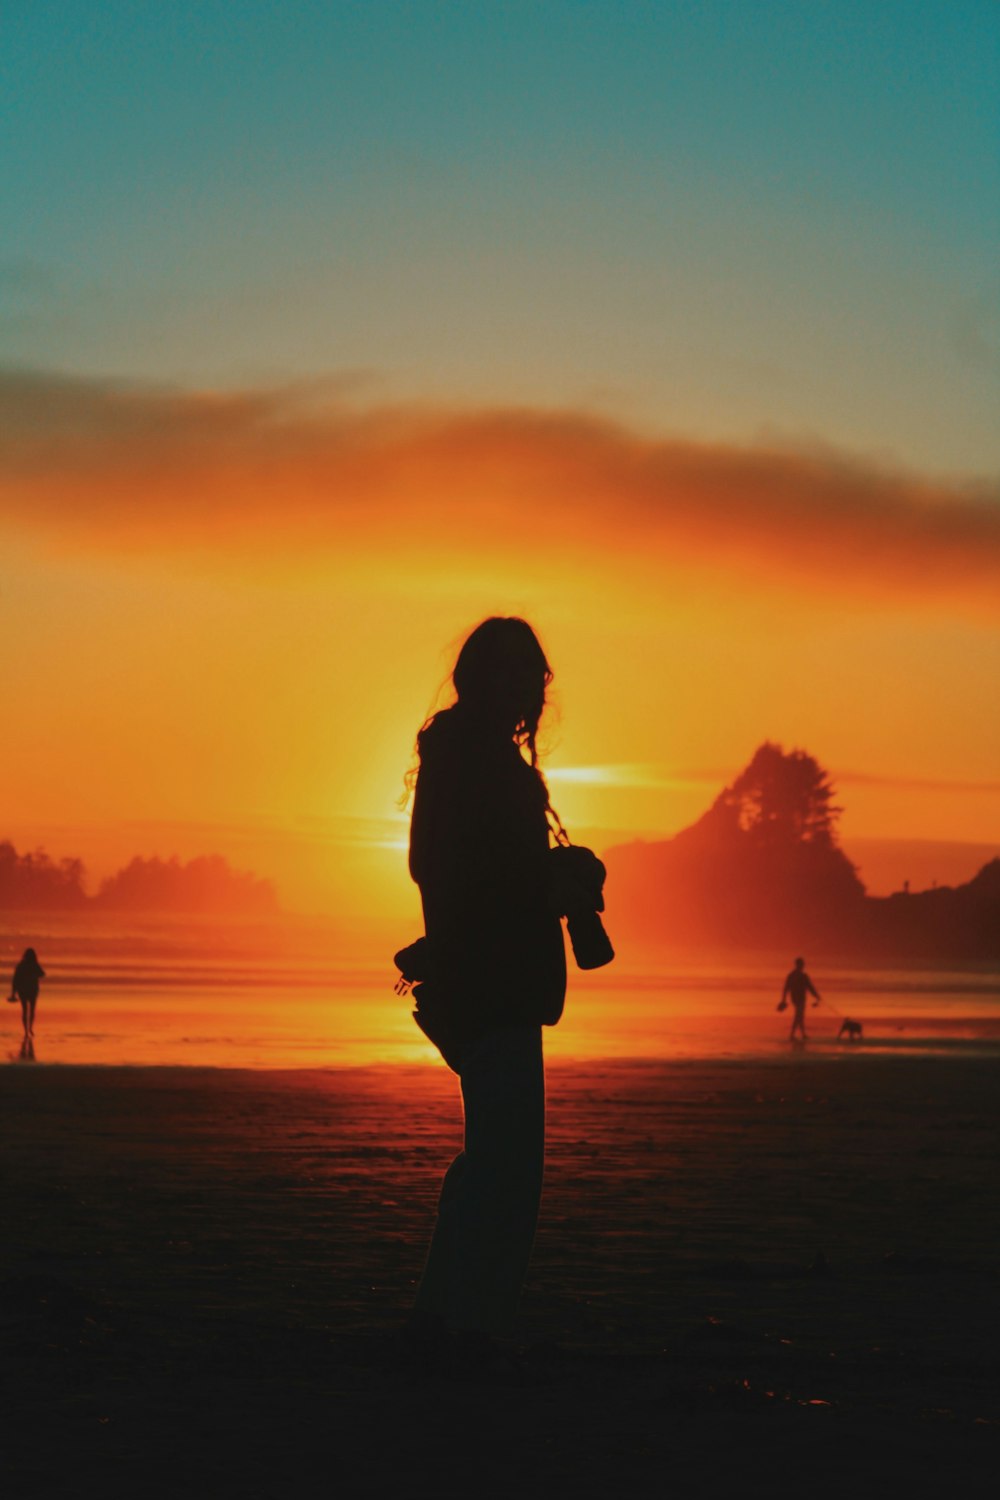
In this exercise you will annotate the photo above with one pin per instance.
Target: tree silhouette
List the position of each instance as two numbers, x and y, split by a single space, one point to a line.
205 884
762 867
783 798
33 880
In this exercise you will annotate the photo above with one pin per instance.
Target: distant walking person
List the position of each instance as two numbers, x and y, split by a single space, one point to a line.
494 974
24 987
797 986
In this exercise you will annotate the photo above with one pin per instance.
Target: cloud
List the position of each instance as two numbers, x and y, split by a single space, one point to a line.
918 784
309 471
631 776
641 776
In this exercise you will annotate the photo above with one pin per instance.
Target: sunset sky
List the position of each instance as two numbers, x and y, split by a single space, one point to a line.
328 329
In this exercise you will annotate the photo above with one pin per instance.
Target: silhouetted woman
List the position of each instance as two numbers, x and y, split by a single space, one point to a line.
496 976
24 986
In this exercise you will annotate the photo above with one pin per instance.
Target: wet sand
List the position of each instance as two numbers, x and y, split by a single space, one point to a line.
780 1277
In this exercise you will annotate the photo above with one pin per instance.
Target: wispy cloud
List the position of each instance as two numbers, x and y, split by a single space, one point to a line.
311 471
649 777
631 776
919 784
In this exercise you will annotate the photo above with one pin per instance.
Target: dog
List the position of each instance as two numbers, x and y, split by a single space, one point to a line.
852 1030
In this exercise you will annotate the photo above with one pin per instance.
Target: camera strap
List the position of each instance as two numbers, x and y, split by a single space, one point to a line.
556 827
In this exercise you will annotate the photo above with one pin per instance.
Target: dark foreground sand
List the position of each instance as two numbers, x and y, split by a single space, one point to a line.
763 1278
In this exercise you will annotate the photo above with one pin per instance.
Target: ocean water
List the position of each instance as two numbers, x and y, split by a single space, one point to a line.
155 1000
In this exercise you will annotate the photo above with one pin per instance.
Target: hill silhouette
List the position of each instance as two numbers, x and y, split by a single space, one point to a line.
207 884
762 869
946 924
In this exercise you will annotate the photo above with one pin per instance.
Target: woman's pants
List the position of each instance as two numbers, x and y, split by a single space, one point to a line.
489 1202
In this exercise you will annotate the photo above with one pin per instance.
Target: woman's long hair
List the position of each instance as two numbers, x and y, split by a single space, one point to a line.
500 679
501 676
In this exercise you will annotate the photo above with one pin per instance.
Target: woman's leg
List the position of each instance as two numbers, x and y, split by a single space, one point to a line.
489 1202
31 1017
24 1016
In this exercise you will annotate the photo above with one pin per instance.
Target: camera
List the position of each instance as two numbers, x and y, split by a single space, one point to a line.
590 943
577 888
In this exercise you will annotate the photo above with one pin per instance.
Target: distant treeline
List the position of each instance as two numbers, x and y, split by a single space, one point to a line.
35 882
762 869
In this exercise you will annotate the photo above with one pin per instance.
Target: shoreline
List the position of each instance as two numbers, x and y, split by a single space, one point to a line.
972 1050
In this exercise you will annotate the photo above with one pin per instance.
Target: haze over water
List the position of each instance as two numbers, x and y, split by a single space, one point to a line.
163 1007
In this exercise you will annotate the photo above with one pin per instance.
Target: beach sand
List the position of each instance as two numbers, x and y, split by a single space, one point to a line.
778 1277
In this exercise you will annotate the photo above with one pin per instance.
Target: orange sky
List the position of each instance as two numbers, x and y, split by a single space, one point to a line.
226 616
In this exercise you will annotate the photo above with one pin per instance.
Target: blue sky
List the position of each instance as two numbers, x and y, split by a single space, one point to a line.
720 220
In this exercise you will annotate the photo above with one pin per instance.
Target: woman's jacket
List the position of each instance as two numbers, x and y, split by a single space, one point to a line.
479 852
